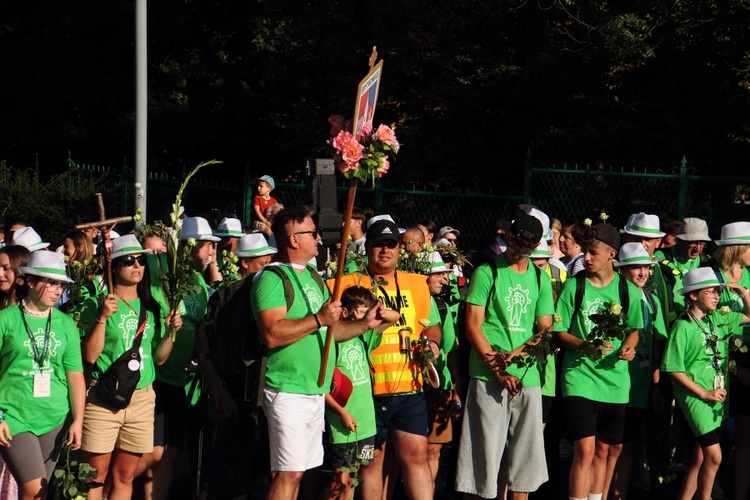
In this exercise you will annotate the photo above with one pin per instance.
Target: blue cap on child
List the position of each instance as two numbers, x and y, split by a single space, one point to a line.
268 179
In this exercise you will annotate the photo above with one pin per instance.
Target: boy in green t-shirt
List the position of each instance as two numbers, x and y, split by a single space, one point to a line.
352 426
695 359
595 379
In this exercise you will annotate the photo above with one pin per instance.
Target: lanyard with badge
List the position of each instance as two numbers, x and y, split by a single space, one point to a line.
711 341
42 386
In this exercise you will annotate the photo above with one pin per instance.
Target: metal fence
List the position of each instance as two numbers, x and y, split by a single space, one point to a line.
564 192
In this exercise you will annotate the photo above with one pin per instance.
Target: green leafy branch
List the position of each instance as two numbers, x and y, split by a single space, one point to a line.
74 480
533 351
609 324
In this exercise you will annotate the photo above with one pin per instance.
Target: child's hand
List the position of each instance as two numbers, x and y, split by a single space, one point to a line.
715 395
348 420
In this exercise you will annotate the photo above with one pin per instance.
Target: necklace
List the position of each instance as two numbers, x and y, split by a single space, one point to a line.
711 340
34 314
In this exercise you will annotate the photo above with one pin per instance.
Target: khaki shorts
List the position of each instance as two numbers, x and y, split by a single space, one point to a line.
439 406
131 429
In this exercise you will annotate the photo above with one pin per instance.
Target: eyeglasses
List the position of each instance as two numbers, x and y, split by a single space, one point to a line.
129 260
697 244
711 293
54 287
452 239
314 232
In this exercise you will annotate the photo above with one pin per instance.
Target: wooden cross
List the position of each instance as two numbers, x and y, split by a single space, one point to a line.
105 226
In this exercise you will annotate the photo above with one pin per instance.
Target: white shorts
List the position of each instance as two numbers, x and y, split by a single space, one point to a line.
295 430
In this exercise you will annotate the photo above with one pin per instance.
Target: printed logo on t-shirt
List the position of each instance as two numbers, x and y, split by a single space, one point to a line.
354 361
517 300
39 341
189 306
591 308
314 300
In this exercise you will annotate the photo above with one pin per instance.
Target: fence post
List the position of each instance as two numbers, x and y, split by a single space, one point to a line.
527 179
682 203
125 199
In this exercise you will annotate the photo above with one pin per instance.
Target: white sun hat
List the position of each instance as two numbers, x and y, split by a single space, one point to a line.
27 237
698 279
49 265
253 245
436 264
736 233
541 251
229 227
643 224
197 228
633 254
127 245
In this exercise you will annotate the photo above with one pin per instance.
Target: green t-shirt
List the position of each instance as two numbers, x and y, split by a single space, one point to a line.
605 380
516 302
27 413
449 344
193 312
642 366
680 267
352 361
688 353
294 368
734 300
119 334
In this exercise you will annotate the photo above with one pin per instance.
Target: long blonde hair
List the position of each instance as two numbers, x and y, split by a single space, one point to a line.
730 256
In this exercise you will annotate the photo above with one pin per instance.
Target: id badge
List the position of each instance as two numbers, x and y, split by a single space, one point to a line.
719 382
42 385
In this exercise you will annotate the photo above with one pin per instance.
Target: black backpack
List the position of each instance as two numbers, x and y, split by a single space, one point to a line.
581 288
233 336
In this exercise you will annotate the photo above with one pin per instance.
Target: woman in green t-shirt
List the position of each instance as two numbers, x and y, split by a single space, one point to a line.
41 377
114 440
695 359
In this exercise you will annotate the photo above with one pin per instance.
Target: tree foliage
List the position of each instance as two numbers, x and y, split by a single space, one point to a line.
470 85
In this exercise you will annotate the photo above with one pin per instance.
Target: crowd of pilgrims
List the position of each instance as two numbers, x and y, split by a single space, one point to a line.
654 389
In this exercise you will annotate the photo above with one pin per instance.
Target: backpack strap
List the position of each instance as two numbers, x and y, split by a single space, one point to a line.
493 268
624 294
580 288
288 288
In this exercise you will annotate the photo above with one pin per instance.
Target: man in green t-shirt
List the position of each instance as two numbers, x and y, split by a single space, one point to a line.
595 378
508 297
293 401
676 261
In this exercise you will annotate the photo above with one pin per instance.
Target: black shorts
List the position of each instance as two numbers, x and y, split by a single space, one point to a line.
710 438
547 402
170 415
587 418
342 455
635 418
406 413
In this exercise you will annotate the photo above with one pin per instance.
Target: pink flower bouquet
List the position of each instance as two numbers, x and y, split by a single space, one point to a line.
365 156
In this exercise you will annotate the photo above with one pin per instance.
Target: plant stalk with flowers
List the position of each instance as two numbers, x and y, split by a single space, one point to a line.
82 273
609 323
176 283
365 157
535 350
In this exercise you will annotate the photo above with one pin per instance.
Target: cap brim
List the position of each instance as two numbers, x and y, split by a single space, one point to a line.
726 243
643 234
635 263
200 237
268 251
693 237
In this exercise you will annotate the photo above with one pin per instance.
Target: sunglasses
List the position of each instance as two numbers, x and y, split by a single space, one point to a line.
129 260
386 243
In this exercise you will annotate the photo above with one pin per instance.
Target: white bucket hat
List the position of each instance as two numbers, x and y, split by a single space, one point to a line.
542 251
253 245
372 220
698 279
127 245
229 227
198 228
544 219
436 264
27 237
47 265
693 229
447 229
634 254
642 224
736 233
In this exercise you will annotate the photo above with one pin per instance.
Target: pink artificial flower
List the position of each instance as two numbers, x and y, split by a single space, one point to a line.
349 149
337 124
384 166
386 135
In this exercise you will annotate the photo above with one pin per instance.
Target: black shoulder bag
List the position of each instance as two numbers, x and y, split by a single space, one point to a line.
117 384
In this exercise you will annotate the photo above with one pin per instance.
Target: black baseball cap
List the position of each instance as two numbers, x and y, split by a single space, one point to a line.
527 228
382 230
607 233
